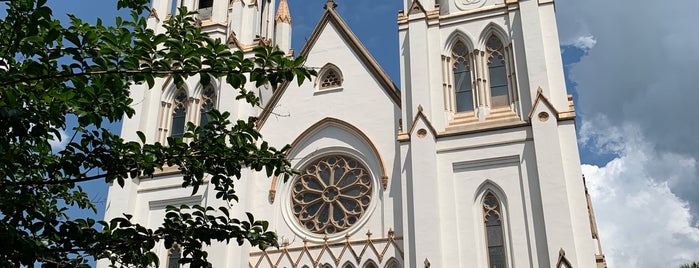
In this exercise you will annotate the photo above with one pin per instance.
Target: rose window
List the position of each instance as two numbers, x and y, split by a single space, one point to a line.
331 194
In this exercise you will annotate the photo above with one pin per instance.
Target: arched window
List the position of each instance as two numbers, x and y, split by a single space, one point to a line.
497 73
208 102
393 263
179 114
463 85
370 264
173 257
329 77
348 265
492 216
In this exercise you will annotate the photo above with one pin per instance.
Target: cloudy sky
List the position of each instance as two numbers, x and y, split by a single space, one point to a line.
634 68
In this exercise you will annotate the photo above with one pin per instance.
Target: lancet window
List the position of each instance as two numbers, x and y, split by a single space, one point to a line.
494 236
497 72
179 114
463 85
208 102
180 108
479 80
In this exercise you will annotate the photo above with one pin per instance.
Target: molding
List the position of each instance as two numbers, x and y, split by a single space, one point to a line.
560 116
403 137
189 200
153 14
483 145
348 127
331 17
498 7
562 260
416 8
487 162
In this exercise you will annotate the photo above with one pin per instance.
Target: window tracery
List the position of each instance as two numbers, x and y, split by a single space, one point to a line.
208 102
331 194
179 114
492 217
330 77
463 85
479 81
497 73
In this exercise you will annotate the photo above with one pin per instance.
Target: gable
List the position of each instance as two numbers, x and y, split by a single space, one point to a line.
330 42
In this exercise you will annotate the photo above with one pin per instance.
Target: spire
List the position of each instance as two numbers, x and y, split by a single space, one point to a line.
330 5
283 14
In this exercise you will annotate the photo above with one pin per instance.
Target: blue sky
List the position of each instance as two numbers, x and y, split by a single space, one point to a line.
634 69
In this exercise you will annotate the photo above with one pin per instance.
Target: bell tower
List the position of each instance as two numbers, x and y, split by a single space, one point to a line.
483 91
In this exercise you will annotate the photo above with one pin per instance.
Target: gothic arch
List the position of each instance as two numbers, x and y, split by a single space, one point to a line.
392 263
489 185
170 90
370 264
454 37
493 29
330 76
348 264
199 88
489 199
329 122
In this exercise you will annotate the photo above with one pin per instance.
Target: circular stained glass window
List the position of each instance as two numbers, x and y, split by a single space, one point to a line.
331 194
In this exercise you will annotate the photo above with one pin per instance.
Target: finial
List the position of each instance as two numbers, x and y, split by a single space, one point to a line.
330 5
283 14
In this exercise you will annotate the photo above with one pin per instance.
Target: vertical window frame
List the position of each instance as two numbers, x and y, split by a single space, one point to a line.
493 54
465 59
498 209
183 104
208 101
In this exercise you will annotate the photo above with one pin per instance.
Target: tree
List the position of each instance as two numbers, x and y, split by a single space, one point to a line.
49 72
690 265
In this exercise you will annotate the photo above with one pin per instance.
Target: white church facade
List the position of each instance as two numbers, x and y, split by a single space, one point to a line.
473 162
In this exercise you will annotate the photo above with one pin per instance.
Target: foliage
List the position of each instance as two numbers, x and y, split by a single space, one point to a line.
690 265
49 72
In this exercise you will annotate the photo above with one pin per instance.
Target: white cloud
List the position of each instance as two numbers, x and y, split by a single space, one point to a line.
642 71
583 42
642 223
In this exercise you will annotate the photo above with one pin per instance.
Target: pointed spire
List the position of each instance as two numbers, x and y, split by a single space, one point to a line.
283 14
330 5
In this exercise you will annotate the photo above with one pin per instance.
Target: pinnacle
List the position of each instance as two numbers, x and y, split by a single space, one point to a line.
283 14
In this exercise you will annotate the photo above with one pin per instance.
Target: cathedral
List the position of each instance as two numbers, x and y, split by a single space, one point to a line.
472 162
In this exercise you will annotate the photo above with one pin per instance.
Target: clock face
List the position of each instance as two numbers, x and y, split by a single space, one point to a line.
469 4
